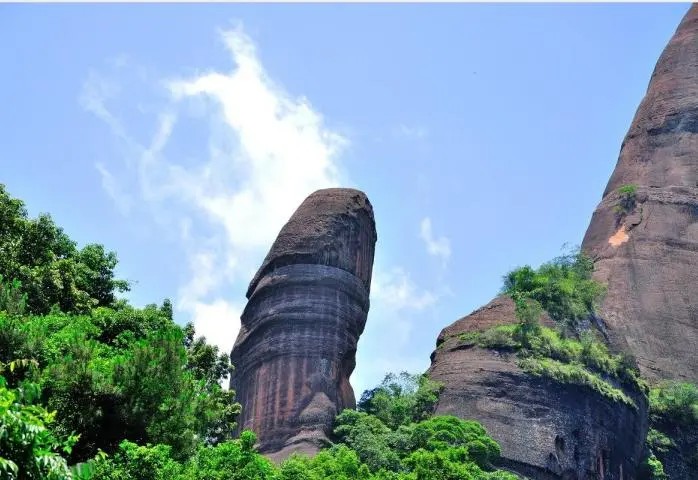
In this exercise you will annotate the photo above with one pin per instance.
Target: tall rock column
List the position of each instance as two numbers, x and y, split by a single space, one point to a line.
307 306
644 233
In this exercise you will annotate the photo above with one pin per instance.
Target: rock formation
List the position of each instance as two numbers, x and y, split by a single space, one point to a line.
307 306
645 244
643 238
547 430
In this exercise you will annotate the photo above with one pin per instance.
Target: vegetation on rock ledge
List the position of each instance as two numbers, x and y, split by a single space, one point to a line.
673 415
566 291
626 199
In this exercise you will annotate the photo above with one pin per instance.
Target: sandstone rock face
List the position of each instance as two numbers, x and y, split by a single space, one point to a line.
547 430
647 253
307 306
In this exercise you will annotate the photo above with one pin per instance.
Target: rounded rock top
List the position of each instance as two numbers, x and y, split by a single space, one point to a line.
333 227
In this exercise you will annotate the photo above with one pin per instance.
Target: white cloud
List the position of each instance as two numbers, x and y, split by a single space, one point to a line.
413 132
438 247
264 151
267 150
217 320
121 199
396 290
397 304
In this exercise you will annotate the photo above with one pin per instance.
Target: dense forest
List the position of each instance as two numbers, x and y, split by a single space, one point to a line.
94 388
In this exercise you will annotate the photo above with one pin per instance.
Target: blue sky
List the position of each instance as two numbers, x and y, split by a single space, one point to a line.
184 136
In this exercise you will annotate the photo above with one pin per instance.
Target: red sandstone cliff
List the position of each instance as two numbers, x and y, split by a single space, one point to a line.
643 237
307 307
647 253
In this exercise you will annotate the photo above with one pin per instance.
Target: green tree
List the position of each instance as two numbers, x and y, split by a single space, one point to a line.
51 270
401 399
29 449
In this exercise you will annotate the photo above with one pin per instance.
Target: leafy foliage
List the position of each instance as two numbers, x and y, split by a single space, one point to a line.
673 413
658 441
674 403
230 460
546 352
29 449
575 374
651 469
563 287
401 399
437 448
626 199
48 267
125 374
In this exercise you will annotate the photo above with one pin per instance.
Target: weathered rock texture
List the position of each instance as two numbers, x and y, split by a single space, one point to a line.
307 306
680 461
648 255
547 430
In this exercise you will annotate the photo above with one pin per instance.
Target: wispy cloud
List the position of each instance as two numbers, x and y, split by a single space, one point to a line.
121 199
398 303
266 151
438 247
410 131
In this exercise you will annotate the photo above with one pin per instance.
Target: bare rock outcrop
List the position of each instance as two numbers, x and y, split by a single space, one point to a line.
643 235
547 430
307 306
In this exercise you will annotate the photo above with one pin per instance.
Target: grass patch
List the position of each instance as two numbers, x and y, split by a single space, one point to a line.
546 352
565 289
573 374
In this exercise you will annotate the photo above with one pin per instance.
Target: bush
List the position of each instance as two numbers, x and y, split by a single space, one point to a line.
626 199
49 268
546 352
659 442
574 374
563 287
651 469
674 403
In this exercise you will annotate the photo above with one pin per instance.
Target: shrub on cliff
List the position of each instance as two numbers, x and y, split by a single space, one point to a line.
543 351
626 199
563 287
651 469
674 403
